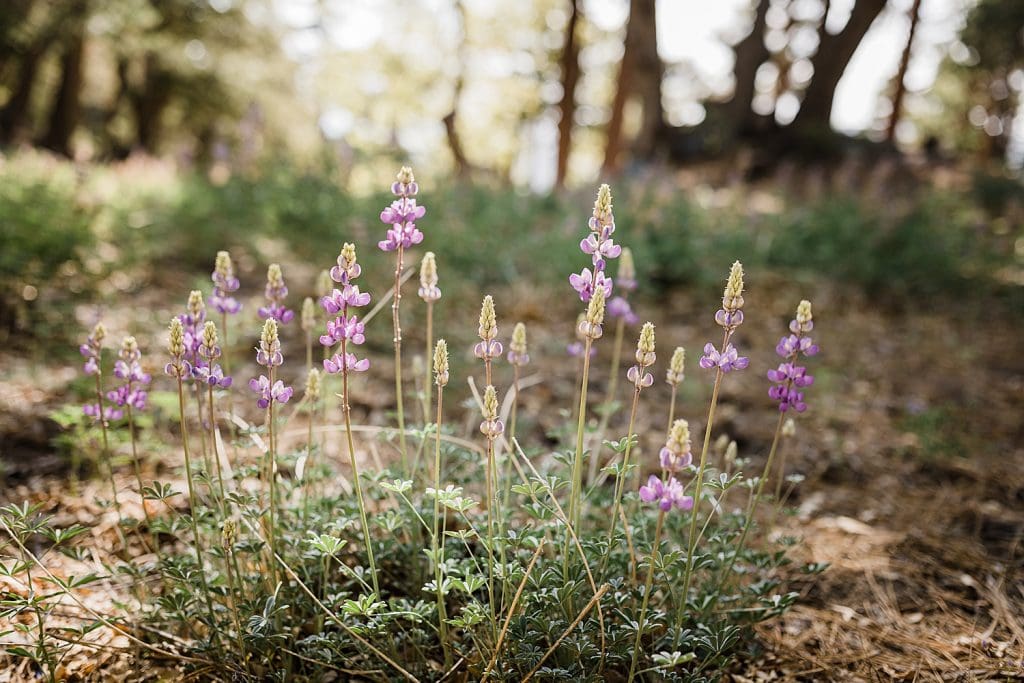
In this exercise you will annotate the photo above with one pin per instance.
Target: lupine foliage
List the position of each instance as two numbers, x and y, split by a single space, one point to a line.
495 558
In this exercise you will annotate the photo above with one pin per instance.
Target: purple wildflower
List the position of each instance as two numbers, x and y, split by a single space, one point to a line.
645 357
92 349
667 495
276 292
488 347
727 360
599 246
402 214
789 377
110 413
625 280
277 392
676 454
128 369
345 329
268 353
178 366
517 354
224 284
491 426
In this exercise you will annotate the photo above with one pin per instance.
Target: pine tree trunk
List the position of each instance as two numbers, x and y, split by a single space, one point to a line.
67 107
901 74
567 105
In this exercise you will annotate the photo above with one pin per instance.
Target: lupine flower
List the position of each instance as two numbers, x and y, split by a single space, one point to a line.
128 369
488 347
179 366
645 358
625 279
345 328
276 292
307 320
268 393
599 246
492 427
789 377
207 369
675 373
213 375
575 349
268 353
92 349
441 363
429 291
730 316
402 214
110 413
667 495
192 322
517 354
312 385
676 454
591 325
224 283
727 360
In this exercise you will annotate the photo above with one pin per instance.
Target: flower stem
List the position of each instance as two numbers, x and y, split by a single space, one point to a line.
620 478
672 408
346 410
138 479
436 543
272 477
613 383
647 595
397 326
108 457
577 465
216 454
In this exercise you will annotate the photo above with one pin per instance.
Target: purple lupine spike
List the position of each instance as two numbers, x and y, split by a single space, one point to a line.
402 214
224 284
276 292
730 316
345 327
789 377
599 246
667 495
128 369
726 360
276 392
676 453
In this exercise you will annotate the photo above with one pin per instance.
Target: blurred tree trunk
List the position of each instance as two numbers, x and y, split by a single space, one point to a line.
567 105
751 53
14 116
640 75
148 103
901 74
830 61
462 166
66 110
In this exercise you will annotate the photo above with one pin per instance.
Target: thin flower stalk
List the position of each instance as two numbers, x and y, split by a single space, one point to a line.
492 428
639 377
440 368
729 317
518 358
430 293
401 215
307 321
648 584
193 321
311 398
130 396
348 329
674 376
180 368
488 348
213 375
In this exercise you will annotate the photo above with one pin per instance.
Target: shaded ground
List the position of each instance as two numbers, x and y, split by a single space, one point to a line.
912 449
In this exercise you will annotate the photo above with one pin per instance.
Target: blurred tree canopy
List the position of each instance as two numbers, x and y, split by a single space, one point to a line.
540 91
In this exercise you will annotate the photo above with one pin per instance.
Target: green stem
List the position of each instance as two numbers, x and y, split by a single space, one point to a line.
109 459
397 327
216 454
620 478
577 465
647 595
272 480
672 408
138 479
346 410
437 544
613 384
193 509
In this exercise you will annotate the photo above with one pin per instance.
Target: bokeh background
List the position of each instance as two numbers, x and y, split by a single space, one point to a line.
865 154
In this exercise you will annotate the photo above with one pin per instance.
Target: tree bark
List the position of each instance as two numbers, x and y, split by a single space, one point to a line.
830 61
901 74
462 166
751 53
640 76
567 105
67 108
149 102
14 116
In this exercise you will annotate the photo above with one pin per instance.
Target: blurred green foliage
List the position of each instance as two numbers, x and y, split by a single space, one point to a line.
60 226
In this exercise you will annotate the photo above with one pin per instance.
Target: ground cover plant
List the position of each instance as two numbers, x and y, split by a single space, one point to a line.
426 551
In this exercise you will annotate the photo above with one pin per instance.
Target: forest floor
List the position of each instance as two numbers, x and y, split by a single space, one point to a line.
912 452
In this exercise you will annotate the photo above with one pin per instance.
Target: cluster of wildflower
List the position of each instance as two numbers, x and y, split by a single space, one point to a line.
625 282
517 354
429 291
129 370
178 366
790 378
667 495
676 454
676 367
268 354
207 369
276 292
600 246
441 363
592 325
645 358
224 284
488 347
192 323
575 349
730 316
402 214
345 328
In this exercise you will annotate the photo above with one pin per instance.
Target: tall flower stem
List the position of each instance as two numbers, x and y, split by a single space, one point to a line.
436 542
272 478
620 478
672 407
138 478
107 457
647 594
397 327
428 386
216 453
193 509
577 465
609 400
751 506
346 410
